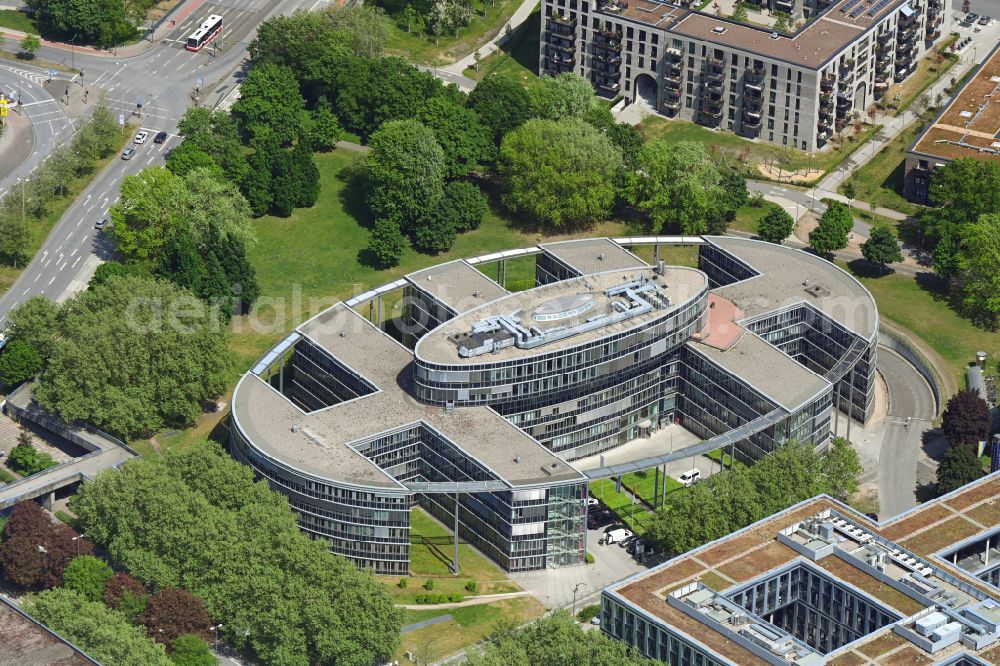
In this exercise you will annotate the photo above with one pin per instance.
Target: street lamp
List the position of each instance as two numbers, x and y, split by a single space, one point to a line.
215 631
77 539
427 645
575 589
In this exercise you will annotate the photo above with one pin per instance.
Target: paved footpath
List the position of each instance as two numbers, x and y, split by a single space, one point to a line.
519 16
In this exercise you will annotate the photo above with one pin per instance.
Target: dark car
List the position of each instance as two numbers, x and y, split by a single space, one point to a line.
970 19
628 541
160 137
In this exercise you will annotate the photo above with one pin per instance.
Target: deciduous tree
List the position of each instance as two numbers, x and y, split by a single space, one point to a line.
678 186
841 469
567 95
881 247
958 466
172 612
831 232
270 104
88 575
966 419
776 226
501 103
405 172
978 269
386 244
561 173
19 362
466 142
191 650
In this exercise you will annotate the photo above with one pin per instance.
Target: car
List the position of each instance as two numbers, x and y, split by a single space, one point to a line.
596 621
140 137
593 501
161 137
128 153
970 19
625 543
689 477
634 545
984 20
616 536
100 224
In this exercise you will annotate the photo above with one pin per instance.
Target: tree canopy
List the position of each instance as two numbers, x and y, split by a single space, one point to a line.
406 168
270 104
88 575
466 142
18 362
966 419
134 355
881 247
678 186
103 633
776 226
97 22
501 103
198 520
560 172
556 640
567 95
36 548
831 232
958 466
978 269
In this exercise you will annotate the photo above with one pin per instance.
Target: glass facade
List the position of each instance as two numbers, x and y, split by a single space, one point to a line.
653 639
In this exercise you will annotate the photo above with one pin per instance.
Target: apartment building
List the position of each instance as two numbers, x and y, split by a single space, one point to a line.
798 89
967 128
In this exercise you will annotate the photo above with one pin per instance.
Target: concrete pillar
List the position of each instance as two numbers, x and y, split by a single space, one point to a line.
49 500
454 563
379 322
850 405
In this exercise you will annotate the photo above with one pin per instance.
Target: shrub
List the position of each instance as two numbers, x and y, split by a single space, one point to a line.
403 583
587 613
471 586
191 650
88 575
429 585
25 459
455 596
590 558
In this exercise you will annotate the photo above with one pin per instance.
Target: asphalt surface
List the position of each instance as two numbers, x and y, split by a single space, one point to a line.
911 410
166 79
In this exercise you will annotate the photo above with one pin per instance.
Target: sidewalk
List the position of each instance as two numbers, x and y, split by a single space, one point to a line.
519 16
131 50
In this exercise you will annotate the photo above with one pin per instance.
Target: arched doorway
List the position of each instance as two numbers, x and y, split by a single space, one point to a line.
861 99
645 90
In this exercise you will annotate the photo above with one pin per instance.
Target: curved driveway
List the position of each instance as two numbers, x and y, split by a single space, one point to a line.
902 446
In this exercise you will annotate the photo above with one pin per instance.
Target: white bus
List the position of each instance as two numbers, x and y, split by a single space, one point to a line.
209 28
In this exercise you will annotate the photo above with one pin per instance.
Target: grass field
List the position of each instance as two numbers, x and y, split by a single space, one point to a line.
880 181
748 217
469 625
922 307
17 20
518 58
423 49
929 70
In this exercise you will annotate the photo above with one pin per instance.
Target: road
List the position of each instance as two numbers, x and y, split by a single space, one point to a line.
164 79
911 410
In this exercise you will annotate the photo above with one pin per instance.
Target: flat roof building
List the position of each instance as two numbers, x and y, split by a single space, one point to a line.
819 584
967 128
798 88
491 396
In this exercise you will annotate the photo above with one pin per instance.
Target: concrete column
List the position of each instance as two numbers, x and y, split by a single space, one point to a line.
49 500
454 563
850 406
379 322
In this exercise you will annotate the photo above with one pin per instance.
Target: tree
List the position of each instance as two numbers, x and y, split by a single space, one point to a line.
325 131
134 355
434 232
465 205
567 95
740 13
850 192
110 269
172 612
270 104
447 16
881 247
405 172
187 157
678 186
782 23
776 226
386 244
559 172
841 469
734 187
629 141
26 460
831 232
306 174
197 519
87 575
365 27
191 650
256 184
409 18
125 594
966 419
214 134
465 141
14 238
34 323
958 466
978 269
99 22
501 103
240 273
37 548
18 363
30 45
103 633
556 640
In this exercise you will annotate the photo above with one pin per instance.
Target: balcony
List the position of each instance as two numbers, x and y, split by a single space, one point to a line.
674 53
674 67
933 34
671 93
673 81
906 37
714 81
844 104
672 104
717 63
610 46
559 19
609 57
753 93
846 79
714 101
714 114
754 80
826 83
610 86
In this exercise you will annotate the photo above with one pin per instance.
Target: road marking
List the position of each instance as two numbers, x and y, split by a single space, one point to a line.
73 253
52 280
25 292
77 260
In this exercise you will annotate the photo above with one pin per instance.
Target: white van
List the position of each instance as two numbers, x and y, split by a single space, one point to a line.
689 477
614 536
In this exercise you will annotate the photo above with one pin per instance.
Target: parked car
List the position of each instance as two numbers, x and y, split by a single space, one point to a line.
970 18
615 536
984 20
100 224
160 137
140 137
595 621
625 543
128 153
593 501
689 477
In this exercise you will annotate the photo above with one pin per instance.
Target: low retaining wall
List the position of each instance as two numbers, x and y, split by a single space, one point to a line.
901 346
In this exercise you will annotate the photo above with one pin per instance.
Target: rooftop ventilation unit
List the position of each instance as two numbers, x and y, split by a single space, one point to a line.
719 29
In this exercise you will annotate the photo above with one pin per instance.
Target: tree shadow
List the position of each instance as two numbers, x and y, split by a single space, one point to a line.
925 492
353 195
433 545
933 443
866 269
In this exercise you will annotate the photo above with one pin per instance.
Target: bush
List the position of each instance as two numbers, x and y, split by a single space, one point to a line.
191 650
403 583
471 586
429 585
26 460
590 558
587 613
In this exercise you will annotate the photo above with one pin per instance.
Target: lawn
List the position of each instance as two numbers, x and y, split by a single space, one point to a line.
673 255
518 274
748 217
732 149
469 625
880 181
929 69
488 19
922 307
17 20
518 58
